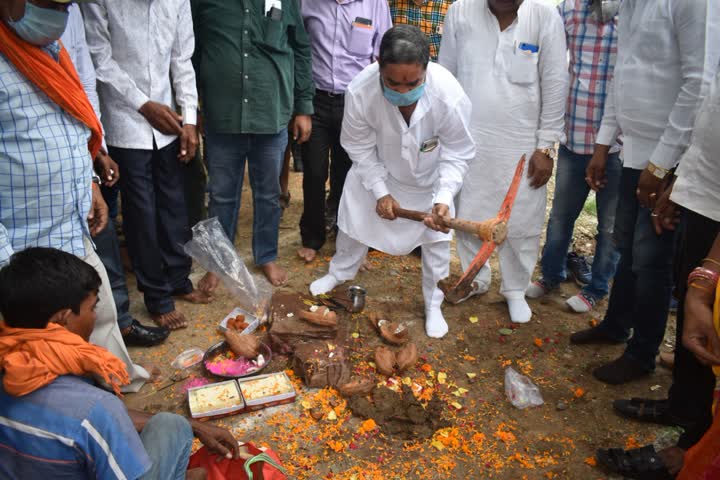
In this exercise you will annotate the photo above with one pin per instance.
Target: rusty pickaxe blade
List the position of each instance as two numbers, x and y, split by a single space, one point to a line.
455 293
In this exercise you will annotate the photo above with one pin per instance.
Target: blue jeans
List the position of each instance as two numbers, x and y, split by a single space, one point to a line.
571 192
167 439
108 249
226 155
640 295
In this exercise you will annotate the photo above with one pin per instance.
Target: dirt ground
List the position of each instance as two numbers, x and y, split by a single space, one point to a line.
480 435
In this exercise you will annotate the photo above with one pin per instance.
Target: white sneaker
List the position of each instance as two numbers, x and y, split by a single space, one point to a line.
538 288
580 303
477 288
324 284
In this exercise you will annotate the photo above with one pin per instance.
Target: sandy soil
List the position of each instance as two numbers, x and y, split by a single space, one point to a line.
483 435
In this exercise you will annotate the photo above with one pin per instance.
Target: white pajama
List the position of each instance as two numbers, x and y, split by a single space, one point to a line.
106 333
350 253
518 256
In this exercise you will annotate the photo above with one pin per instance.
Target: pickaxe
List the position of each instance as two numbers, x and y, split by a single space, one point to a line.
492 232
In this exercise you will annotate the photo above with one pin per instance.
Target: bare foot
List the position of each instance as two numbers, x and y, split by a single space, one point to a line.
274 273
196 474
307 254
208 283
366 266
673 458
173 320
197 296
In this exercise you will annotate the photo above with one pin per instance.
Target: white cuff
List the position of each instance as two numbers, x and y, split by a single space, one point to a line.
379 189
189 115
607 135
137 99
666 156
443 196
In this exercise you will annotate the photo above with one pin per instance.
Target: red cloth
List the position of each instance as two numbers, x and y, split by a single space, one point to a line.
235 469
58 80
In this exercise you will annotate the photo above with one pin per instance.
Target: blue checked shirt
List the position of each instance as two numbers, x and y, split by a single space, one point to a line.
45 169
593 51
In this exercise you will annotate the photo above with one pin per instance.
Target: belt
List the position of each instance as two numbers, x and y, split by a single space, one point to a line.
329 94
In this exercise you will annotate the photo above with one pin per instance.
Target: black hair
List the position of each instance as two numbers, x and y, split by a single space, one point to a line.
404 44
39 282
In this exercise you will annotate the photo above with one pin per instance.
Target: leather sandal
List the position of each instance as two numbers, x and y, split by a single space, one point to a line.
640 463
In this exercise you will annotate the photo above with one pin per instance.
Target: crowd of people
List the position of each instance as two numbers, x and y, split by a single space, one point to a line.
396 104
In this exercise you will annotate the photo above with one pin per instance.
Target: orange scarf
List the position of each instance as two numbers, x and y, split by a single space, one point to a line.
34 358
58 80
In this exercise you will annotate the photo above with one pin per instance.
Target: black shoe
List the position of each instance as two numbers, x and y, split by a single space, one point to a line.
593 335
640 463
579 269
646 410
621 370
142 336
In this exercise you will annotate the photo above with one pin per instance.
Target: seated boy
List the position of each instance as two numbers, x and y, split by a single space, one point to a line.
54 422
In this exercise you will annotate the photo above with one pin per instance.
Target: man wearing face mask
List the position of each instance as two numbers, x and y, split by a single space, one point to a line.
591 32
49 133
510 57
406 130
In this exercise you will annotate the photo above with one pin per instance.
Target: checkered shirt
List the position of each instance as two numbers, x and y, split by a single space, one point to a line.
45 169
593 50
429 17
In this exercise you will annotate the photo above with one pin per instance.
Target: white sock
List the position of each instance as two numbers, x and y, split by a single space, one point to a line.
324 284
435 324
519 310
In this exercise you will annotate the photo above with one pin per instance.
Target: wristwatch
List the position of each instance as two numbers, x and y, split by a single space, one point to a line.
657 172
96 179
550 152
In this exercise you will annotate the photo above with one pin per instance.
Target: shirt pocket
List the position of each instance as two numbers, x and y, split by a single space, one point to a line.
523 67
274 33
360 41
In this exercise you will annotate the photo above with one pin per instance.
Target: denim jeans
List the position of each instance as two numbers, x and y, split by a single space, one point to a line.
640 295
571 192
324 143
108 249
226 155
167 439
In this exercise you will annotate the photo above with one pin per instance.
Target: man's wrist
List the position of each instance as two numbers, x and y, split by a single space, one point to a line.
657 171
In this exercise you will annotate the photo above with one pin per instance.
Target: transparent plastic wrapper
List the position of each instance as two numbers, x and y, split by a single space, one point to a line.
521 391
212 249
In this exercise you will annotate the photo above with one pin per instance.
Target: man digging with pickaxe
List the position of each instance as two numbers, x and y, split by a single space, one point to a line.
406 131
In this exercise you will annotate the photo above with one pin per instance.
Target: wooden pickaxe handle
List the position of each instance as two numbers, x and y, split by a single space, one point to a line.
488 231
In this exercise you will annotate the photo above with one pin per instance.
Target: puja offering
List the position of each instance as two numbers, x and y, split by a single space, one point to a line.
267 390
321 364
222 398
240 321
188 358
221 361
247 346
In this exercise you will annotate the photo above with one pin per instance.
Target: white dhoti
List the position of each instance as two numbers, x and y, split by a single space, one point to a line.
106 333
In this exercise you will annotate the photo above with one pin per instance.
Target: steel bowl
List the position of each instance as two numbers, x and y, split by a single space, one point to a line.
223 347
357 295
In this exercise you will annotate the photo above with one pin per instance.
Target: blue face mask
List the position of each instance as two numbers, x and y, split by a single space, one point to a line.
403 99
40 26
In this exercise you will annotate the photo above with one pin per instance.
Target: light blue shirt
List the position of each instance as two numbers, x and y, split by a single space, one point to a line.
45 169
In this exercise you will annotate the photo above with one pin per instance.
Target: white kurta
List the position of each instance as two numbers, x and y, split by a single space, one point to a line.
388 158
518 99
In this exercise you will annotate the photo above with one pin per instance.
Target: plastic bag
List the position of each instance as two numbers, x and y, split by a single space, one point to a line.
212 249
254 463
521 391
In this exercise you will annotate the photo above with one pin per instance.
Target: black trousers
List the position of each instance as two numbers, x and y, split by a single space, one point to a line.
691 393
155 222
324 143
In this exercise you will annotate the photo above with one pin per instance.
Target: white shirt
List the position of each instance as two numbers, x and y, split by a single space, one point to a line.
142 51
662 67
419 164
515 94
697 187
74 42
517 81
